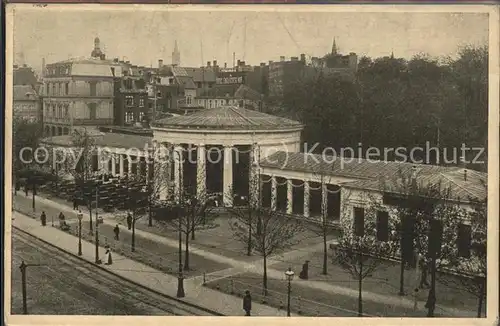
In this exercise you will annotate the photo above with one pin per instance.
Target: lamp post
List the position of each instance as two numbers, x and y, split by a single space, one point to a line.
180 212
80 217
289 275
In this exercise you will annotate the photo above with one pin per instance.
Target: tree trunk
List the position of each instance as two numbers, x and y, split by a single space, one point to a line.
481 298
150 216
360 288
133 233
193 225
431 300
186 256
91 228
325 252
402 277
264 280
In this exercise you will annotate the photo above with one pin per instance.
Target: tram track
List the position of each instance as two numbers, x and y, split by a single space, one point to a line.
103 285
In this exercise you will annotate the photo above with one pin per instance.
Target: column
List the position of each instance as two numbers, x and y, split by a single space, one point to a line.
122 167
147 167
178 156
306 198
162 174
201 175
289 196
129 165
227 192
113 165
274 193
324 200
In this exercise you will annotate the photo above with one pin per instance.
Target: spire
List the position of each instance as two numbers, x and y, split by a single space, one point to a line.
392 54
176 55
334 47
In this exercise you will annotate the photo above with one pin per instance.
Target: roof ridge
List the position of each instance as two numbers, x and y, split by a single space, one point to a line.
455 183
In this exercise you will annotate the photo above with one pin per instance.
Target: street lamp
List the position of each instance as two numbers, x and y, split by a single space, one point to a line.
180 211
80 217
289 275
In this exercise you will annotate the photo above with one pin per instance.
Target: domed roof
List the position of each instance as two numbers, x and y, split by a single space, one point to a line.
227 117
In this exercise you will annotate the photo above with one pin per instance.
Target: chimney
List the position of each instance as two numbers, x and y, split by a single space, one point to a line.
225 65
103 56
160 63
238 63
271 62
242 63
302 57
282 58
262 64
215 63
127 62
208 63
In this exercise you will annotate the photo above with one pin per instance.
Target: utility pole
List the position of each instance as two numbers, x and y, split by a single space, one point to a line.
180 279
23 281
97 259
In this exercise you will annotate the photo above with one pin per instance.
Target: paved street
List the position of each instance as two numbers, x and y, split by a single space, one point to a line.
57 285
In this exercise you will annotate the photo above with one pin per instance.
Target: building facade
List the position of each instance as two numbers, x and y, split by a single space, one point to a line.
26 103
79 92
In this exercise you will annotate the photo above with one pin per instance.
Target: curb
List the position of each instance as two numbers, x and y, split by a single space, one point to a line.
213 312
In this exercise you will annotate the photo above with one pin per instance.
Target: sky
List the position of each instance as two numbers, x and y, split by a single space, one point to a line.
142 37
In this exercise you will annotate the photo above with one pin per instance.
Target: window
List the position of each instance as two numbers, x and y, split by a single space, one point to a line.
129 117
464 240
382 226
59 89
93 88
66 113
53 89
129 100
435 237
141 102
92 111
359 221
53 111
141 116
66 88
188 100
209 103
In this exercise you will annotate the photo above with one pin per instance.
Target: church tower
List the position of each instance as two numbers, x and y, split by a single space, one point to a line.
97 53
334 47
176 56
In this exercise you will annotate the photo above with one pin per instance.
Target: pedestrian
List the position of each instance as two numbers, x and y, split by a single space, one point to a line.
423 275
415 299
75 203
117 232
26 189
108 259
43 218
247 303
129 221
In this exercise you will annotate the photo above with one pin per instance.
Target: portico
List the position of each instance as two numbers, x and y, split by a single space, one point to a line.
219 148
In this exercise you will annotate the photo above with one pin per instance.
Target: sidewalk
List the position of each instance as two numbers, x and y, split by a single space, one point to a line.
257 267
142 274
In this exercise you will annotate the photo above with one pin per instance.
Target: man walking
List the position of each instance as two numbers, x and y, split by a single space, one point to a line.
247 303
129 221
43 218
75 203
116 230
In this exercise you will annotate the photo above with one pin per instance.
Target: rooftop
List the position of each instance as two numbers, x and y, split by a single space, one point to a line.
118 140
201 74
24 93
370 173
228 117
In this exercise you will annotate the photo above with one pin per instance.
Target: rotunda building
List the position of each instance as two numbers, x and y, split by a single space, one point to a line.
215 149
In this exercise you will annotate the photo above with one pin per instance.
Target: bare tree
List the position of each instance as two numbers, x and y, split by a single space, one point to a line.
362 247
247 213
427 218
324 226
269 233
79 163
470 262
